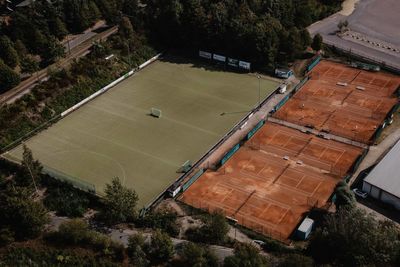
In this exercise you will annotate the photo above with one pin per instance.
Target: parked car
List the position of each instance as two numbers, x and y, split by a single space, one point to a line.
360 193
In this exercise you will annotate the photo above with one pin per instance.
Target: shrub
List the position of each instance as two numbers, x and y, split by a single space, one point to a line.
77 233
296 260
119 203
136 250
47 256
163 220
213 231
245 255
195 255
161 248
20 214
66 200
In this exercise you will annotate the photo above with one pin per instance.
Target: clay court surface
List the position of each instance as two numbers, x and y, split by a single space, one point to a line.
114 135
353 111
274 179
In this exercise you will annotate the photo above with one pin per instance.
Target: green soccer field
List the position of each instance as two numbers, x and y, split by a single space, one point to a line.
114 135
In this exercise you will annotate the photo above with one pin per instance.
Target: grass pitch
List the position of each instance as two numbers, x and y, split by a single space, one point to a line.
114 135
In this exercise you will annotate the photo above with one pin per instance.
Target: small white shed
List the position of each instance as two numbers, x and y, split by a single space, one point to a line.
305 228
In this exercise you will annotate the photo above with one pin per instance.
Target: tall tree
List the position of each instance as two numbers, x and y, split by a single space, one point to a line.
344 196
55 50
161 248
136 250
58 28
195 255
23 216
119 202
39 42
125 28
20 48
30 173
8 78
317 42
7 52
353 238
29 64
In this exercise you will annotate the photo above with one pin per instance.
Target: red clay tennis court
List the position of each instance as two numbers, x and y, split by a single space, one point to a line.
274 179
343 101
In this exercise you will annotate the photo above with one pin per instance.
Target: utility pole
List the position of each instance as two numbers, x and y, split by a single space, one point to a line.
259 90
69 46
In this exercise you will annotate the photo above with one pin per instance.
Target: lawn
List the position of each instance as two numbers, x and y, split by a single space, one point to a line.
114 135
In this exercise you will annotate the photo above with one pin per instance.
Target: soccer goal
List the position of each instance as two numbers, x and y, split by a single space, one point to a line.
155 112
185 167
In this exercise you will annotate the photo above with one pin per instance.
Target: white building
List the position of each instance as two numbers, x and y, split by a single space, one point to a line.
383 182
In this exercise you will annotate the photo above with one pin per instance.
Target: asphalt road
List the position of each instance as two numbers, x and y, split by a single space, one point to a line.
375 19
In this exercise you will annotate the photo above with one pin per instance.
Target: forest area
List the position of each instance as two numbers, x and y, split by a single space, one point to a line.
265 33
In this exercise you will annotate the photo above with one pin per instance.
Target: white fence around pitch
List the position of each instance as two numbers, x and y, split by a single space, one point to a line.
151 60
106 88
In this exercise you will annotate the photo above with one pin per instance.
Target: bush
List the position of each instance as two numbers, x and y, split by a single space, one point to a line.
136 251
296 260
20 214
66 200
119 204
195 255
47 256
270 245
163 220
161 248
214 231
344 196
6 237
353 238
8 78
74 232
245 255
77 233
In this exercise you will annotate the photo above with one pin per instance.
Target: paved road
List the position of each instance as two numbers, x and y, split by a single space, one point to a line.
77 40
373 18
25 86
72 41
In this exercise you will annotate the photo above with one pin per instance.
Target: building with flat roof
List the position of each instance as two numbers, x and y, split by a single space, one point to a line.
383 182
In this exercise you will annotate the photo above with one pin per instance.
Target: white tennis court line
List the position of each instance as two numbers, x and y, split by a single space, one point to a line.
283 216
338 158
300 180
304 176
227 194
245 172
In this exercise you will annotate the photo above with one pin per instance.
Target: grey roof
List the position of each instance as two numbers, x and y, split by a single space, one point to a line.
306 225
386 175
